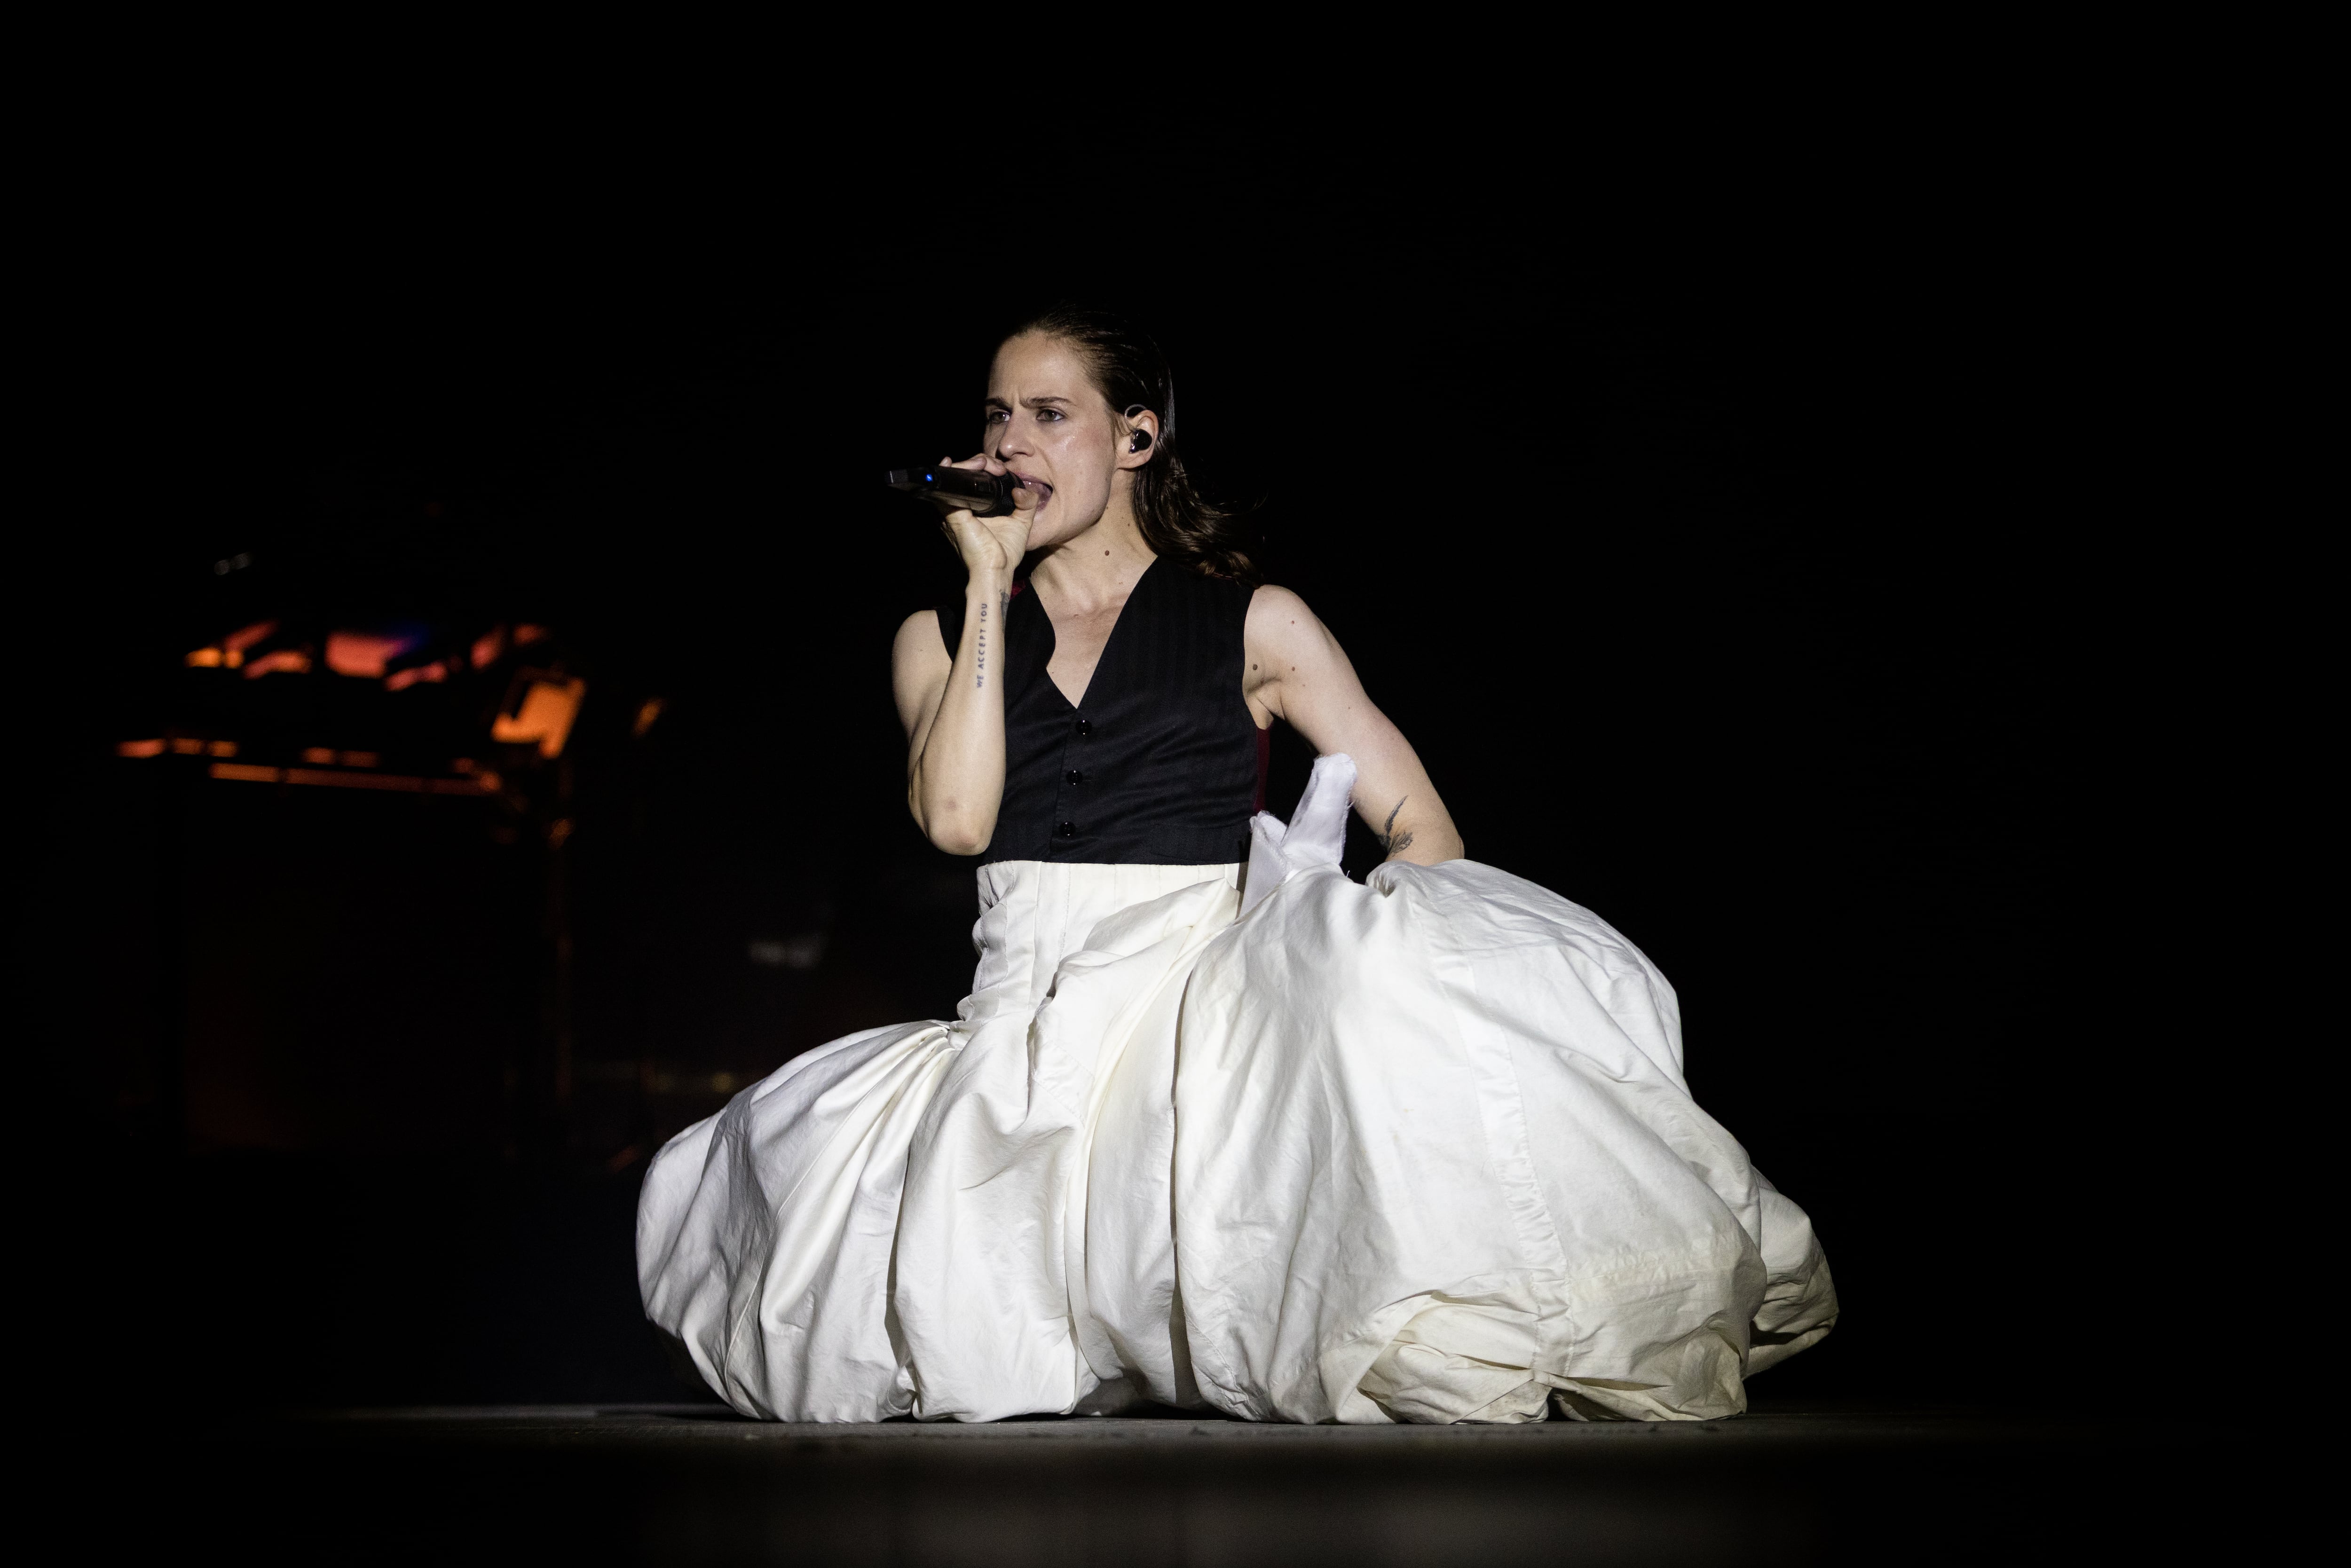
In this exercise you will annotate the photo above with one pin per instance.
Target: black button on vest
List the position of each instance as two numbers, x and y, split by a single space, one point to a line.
1162 744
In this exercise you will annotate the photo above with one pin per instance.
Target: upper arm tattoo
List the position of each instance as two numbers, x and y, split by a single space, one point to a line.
1392 841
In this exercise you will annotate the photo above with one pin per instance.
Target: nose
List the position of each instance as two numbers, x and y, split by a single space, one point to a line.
1007 441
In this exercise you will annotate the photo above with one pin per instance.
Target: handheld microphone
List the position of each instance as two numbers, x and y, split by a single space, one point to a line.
987 494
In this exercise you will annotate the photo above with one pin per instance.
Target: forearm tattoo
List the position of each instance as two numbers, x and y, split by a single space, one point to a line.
979 647
1392 841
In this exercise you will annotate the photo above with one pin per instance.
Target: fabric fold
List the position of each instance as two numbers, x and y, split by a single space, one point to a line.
1259 1138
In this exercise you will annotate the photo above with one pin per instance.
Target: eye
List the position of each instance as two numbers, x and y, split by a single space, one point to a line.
998 417
1053 415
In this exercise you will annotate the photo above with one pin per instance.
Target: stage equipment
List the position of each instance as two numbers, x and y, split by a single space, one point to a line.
540 705
441 711
988 495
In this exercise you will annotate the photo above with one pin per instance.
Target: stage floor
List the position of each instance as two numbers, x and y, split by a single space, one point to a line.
694 1483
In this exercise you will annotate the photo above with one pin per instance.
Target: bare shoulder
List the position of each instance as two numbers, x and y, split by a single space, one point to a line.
1283 630
1280 620
1295 666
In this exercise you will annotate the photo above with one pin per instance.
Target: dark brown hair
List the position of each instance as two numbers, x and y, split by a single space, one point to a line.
1128 369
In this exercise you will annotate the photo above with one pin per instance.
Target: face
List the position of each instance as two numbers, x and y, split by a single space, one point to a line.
1049 425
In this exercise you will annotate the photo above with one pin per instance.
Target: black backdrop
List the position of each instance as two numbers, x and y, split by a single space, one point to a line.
1725 594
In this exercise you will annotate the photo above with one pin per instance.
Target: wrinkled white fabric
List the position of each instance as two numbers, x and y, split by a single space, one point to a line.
1416 1149
1315 835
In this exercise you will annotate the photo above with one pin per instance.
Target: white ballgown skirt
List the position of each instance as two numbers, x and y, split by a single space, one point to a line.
1415 1149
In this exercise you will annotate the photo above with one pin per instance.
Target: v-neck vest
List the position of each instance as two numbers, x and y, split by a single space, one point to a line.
1158 765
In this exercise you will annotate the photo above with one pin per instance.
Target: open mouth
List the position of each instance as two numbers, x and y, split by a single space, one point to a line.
1037 488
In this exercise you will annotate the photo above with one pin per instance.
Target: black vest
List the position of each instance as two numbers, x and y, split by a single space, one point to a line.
1161 764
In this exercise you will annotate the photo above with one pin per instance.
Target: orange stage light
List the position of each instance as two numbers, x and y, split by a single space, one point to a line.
401 783
205 659
401 680
237 642
292 661
363 654
544 715
140 748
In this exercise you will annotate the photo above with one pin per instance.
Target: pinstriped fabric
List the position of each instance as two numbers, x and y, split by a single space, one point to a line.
1158 765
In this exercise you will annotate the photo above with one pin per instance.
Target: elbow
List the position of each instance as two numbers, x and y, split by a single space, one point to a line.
959 827
957 832
958 843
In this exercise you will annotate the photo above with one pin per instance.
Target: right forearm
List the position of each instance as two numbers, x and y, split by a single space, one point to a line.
957 779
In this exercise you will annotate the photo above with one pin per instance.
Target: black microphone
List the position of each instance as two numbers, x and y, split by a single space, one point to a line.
987 494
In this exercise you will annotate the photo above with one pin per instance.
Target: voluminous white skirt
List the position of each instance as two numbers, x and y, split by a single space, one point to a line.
1416 1149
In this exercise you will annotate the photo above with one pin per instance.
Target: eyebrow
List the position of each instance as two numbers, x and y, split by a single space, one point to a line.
995 402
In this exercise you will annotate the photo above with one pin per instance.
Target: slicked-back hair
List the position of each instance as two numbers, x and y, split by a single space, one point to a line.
1128 367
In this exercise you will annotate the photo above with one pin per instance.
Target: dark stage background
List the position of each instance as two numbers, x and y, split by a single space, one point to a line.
1724 597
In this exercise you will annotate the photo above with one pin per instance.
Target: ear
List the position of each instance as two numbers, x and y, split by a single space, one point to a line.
1137 419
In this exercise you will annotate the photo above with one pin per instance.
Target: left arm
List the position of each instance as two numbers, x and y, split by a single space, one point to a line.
1298 673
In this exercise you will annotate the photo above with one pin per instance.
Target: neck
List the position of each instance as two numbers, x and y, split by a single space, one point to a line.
1099 567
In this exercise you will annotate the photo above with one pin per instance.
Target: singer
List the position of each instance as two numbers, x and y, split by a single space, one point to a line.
1217 1125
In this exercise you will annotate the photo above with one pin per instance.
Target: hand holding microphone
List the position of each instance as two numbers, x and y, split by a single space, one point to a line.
968 485
980 493
986 516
